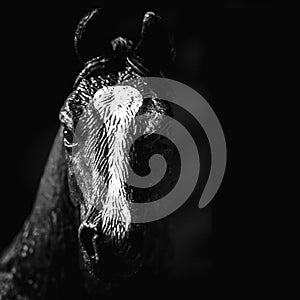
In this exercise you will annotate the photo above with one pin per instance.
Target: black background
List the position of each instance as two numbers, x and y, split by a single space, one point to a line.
229 53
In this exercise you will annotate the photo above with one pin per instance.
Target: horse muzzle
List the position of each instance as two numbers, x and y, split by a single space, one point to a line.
108 258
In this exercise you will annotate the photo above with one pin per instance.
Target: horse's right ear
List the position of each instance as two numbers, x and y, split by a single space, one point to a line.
155 46
88 43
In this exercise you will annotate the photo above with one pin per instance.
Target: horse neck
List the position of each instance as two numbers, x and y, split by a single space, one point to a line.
46 250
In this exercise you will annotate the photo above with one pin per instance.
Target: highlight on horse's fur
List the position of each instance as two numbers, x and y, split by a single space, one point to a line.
79 239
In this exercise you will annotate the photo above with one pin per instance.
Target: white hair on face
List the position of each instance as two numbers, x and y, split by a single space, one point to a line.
106 124
117 107
101 162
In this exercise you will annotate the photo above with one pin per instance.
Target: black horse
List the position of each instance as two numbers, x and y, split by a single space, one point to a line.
70 246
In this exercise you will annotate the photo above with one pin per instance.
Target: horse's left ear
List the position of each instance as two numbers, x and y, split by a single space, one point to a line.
155 46
90 38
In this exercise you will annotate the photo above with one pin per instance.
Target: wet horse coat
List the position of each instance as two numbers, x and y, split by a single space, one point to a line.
69 246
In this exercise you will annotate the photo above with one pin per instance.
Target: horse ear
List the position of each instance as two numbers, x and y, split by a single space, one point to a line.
155 46
86 39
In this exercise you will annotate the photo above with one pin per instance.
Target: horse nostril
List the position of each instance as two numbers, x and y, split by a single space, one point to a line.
86 236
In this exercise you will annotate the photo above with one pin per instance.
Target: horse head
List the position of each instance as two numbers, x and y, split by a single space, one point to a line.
112 246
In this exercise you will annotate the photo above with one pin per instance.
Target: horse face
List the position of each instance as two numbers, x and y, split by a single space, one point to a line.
112 246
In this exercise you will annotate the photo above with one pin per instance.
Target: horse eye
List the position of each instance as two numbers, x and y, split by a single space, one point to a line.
68 138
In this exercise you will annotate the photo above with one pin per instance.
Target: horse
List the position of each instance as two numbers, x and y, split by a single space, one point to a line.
72 245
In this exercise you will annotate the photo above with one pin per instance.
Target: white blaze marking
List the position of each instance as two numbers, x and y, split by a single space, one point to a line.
117 107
